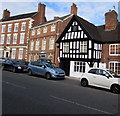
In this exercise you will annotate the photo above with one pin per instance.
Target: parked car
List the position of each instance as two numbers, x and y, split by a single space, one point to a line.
14 65
2 59
103 78
48 70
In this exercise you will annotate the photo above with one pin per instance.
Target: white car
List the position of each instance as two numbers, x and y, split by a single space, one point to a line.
101 78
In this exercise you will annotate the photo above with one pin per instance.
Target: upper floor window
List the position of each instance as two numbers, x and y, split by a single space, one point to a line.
114 49
43 44
51 43
16 27
37 45
3 28
33 32
45 30
38 31
83 46
15 39
23 26
66 47
2 39
9 27
53 27
8 39
22 37
32 45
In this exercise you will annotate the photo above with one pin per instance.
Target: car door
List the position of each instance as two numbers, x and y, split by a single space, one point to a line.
102 78
40 69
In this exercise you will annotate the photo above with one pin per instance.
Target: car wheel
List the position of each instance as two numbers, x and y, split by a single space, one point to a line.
30 72
115 89
84 82
48 76
14 70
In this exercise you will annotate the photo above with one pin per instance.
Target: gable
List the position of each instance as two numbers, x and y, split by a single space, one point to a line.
74 31
85 29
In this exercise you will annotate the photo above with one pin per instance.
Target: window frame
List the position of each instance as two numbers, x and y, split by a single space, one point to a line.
115 50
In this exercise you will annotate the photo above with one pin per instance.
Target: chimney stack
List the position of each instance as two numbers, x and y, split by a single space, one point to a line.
111 20
6 13
74 9
56 17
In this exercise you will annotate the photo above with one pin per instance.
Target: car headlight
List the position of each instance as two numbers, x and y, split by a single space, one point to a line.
19 67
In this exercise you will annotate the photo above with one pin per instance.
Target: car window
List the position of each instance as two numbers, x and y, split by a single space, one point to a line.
102 72
93 71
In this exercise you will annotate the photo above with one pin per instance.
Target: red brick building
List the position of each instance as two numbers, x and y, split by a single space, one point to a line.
14 34
42 42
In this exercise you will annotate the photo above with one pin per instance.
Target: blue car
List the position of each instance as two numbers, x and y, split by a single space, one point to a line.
45 69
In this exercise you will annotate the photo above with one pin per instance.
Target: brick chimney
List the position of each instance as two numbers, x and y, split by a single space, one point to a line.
74 9
40 16
6 13
111 20
56 17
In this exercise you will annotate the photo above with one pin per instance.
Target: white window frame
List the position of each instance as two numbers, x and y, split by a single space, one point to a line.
20 53
2 39
1 52
22 38
66 47
3 28
79 66
115 52
53 27
38 31
32 45
45 30
114 66
37 44
83 47
9 27
8 38
44 44
23 26
16 27
33 32
15 36
13 54
51 43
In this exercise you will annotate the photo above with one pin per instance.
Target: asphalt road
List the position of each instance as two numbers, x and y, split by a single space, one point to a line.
23 94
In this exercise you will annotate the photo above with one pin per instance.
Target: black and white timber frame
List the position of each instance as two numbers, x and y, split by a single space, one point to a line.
76 44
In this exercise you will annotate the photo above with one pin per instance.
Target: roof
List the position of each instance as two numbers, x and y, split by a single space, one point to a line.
21 16
90 29
111 36
60 18
96 33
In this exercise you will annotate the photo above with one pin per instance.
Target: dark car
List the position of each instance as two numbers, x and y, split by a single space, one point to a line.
14 65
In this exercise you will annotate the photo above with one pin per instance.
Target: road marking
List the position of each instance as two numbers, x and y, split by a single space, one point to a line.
78 104
13 84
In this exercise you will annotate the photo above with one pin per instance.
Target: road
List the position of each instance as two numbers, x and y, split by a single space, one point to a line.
23 94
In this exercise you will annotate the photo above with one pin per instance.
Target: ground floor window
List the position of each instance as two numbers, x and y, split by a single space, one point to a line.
79 66
115 66
1 53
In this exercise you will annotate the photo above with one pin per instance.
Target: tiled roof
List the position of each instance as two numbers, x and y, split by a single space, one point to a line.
21 16
60 18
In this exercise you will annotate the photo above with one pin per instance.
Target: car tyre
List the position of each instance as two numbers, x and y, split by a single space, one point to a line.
115 89
84 83
30 72
48 76
14 70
